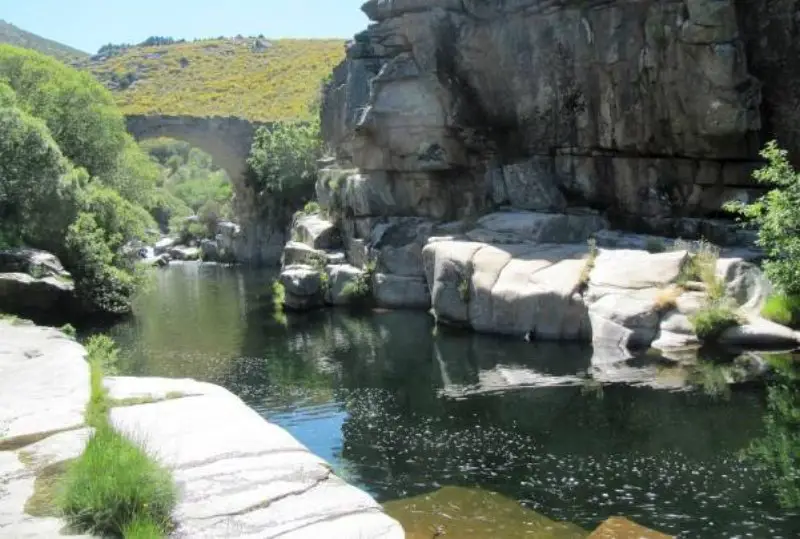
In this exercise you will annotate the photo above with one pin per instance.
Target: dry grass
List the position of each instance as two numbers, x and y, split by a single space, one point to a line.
222 77
667 298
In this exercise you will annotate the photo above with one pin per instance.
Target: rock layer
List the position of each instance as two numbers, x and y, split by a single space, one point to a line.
650 111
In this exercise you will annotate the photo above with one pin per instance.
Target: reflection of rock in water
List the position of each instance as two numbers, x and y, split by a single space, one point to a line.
476 364
471 513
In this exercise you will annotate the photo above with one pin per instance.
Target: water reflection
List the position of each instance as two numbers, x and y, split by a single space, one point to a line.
575 434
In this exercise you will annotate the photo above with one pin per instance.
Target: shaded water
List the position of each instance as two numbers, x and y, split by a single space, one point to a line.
403 411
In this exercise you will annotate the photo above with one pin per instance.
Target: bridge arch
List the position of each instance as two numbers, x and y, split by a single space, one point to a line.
226 139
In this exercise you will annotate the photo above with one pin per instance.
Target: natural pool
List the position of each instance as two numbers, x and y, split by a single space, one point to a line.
402 411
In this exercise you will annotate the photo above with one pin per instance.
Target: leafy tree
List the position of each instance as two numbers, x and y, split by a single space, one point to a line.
777 214
31 166
283 160
101 284
77 109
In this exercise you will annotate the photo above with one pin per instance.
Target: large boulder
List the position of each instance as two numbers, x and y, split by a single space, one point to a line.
28 296
164 245
184 253
316 232
303 286
524 290
34 262
342 281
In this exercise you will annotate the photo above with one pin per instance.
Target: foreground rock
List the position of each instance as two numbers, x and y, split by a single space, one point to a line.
238 475
44 387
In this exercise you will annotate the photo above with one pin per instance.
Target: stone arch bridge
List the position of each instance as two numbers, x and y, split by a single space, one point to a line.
226 139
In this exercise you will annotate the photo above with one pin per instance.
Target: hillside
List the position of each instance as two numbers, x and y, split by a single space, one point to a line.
16 36
252 78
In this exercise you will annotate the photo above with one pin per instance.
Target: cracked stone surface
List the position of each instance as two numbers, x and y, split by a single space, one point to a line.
44 386
239 475
44 381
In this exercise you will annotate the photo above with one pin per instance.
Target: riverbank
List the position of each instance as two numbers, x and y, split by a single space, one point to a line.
237 474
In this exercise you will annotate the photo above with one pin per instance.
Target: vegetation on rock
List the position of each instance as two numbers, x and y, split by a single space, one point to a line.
72 181
251 78
283 160
114 488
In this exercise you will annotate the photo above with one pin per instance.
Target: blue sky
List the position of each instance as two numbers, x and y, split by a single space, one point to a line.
88 24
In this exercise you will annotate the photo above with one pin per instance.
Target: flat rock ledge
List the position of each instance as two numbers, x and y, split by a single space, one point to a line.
238 475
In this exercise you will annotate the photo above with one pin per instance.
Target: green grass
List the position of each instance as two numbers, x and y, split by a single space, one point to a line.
20 38
782 309
221 77
115 483
114 488
711 321
278 296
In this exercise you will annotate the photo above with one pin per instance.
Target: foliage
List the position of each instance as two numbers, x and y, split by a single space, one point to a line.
311 208
778 452
777 215
78 111
283 160
360 289
701 266
782 309
114 483
12 35
245 77
69 330
72 181
31 165
191 184
114 488
97 280
712 320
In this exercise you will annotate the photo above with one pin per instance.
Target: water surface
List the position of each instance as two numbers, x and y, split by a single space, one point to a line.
403 411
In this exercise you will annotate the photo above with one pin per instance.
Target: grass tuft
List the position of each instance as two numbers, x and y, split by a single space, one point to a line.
114 488
114 483
591 260
712 320
667 298
782 309
142 527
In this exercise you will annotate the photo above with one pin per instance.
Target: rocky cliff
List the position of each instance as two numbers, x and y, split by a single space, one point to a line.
652 112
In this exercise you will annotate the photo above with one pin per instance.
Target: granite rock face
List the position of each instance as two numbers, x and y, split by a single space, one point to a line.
651 111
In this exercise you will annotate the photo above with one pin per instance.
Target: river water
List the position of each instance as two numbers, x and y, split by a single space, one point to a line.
472 435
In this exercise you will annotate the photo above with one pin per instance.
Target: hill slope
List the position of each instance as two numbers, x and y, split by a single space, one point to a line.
18 37
252 78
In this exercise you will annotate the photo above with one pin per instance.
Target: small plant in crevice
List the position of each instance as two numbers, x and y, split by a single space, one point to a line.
69 330
464 285
666 299
591 260
360 289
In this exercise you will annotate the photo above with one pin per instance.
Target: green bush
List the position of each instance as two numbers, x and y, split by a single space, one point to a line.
782 309
283 160
102 285
711 321
78 110
777 215
72 181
